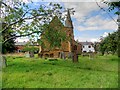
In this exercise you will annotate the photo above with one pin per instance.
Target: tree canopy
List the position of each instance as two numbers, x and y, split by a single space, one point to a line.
109 43
113 6
59 35
21 20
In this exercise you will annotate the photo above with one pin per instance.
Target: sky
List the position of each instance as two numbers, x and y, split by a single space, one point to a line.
89 21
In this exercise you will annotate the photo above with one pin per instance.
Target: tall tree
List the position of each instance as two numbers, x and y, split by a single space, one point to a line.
16 13
15 17
109 43
113 6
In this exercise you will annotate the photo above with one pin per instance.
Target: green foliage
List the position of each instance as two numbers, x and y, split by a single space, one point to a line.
109 44
9 46
54 33
30 48
102 72
113 5
15 17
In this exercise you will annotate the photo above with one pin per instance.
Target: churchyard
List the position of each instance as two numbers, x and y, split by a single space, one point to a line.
64 56
23 72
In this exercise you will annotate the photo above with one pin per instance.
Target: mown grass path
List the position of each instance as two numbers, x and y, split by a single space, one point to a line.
101 72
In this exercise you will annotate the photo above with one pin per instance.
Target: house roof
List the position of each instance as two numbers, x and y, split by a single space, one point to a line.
20 43
24 43
86 43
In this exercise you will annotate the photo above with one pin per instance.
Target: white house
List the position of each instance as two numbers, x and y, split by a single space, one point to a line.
87 47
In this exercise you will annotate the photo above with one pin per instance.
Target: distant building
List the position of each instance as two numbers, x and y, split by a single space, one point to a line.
87 47
20 45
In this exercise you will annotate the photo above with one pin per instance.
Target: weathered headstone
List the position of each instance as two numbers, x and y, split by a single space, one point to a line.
4 62
91 55
40 55
31 54
62 55
75 55
70 55
27 54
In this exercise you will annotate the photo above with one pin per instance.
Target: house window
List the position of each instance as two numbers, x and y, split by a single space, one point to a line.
89 46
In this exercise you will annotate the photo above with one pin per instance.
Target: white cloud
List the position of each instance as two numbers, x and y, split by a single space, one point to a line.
83 8
84 39
84 20
105 34
96 23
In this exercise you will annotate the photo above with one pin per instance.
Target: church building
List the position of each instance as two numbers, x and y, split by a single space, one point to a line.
67 47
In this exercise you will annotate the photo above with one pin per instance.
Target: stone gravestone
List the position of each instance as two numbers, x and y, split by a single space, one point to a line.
91 55
70 55
62 55
31 54
27 54
4 62
40 55
75 56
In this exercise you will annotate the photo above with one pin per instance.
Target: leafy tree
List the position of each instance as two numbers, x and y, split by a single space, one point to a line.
96 46
10 45
59 35
109 43
15 17
16 14
30 49
113 6
103 46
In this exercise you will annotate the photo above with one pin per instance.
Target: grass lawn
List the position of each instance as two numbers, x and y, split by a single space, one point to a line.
101 72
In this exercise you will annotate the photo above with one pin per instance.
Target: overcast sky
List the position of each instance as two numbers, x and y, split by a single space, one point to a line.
89 21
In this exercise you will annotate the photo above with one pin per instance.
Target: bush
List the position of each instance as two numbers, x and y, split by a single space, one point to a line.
31 49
